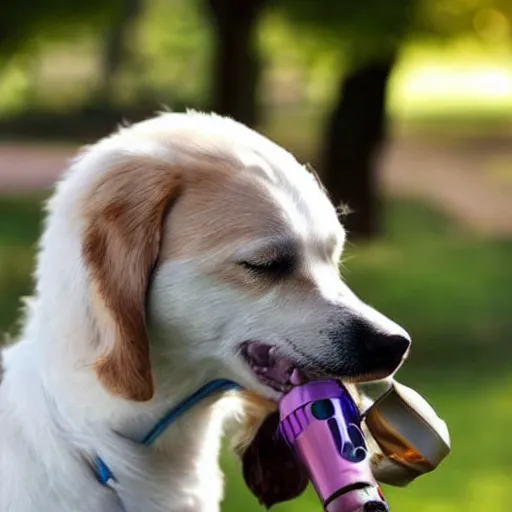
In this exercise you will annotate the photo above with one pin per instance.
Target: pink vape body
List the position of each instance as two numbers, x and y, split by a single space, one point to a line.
321 423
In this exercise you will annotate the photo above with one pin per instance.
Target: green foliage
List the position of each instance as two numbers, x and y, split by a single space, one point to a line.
173 42
20 222
22 22
365 27
452 18
374 28
56 61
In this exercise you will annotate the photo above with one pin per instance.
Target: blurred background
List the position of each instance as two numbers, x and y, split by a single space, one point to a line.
404 107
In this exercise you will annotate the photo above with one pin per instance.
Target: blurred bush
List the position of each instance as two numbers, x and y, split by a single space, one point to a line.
78 71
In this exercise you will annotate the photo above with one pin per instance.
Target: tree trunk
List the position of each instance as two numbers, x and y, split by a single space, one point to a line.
355 132
115 48
236 60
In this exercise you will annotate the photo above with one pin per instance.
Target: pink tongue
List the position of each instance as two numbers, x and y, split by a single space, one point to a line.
259 353
277 368
280 371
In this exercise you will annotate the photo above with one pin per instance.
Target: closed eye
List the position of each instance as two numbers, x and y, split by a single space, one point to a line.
276 268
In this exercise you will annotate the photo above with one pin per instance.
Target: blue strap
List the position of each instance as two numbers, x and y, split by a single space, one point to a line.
103 472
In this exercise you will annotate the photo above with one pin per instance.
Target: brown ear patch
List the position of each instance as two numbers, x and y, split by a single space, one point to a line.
124 213
270 469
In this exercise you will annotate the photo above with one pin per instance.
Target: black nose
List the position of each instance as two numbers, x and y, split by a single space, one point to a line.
385 351
381 346
375 506
370 345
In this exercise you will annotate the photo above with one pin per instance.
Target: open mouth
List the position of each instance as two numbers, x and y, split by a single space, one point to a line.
271 368
281 374
270 468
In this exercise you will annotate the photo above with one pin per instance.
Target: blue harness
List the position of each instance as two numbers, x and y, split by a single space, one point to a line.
103 472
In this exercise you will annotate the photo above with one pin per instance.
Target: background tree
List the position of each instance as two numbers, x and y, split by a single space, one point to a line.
236 61
371 33
116 46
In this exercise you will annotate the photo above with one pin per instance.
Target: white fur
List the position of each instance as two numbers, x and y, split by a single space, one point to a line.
55 414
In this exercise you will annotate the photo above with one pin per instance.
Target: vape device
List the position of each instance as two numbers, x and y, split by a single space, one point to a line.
413 439
322 425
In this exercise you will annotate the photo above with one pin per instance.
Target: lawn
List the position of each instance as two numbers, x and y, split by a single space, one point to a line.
450 288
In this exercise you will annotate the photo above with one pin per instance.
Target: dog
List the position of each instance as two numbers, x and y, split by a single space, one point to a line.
179 250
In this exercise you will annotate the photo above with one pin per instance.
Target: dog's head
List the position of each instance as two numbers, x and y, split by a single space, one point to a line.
207 240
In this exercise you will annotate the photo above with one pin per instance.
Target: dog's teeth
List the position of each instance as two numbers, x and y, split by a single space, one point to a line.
296 377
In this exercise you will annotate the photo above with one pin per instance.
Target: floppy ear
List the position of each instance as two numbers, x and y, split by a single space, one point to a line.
124 215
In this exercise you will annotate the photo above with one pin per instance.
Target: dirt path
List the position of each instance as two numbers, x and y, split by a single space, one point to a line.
29 167
469 180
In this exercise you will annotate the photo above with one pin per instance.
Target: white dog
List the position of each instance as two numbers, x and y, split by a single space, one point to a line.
180 250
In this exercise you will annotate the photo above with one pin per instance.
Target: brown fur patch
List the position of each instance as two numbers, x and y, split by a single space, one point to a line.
221 212
129 234
125 212
228 207
228 210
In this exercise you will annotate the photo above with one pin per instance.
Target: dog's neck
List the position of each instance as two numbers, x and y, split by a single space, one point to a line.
182 467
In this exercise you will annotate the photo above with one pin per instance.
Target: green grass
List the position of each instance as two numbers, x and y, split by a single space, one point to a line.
450 288
20 221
